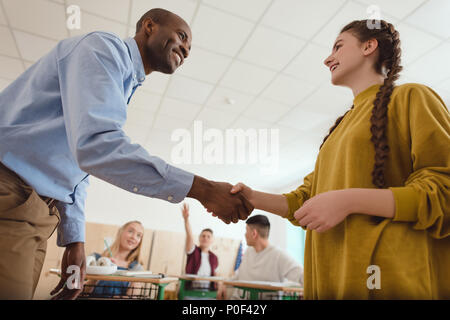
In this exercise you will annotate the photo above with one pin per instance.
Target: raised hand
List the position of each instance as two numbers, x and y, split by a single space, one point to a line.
185 211
218 200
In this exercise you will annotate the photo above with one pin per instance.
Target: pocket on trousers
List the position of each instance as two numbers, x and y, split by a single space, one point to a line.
33 210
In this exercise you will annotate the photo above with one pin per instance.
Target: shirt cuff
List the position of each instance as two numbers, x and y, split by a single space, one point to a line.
406 204
177 186
70 232
72 226
293 206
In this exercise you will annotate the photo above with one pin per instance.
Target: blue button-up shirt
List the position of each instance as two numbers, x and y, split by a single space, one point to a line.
62 120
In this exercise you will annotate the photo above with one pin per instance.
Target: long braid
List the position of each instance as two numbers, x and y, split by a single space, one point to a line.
379 118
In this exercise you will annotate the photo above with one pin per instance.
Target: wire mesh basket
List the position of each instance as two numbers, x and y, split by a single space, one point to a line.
118 290
270 295
282 296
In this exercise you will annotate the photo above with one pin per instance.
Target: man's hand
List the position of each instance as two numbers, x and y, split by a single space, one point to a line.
217 199
73 256
185 211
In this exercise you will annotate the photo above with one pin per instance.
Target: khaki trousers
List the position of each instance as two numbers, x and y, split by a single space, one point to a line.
26 222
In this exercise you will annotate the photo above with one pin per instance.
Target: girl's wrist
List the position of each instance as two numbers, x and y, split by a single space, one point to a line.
253 197
349 200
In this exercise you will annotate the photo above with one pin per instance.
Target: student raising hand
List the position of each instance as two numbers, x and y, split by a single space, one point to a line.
185 211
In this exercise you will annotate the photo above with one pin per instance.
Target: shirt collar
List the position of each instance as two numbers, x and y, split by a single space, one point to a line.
139 72
367 93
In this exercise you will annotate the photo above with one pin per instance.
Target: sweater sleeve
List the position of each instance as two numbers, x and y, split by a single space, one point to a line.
424 200
297 197
290 269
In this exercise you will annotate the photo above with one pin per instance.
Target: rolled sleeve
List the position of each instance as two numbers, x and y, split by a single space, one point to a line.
293 206
297 197
424 199
72 226
406 204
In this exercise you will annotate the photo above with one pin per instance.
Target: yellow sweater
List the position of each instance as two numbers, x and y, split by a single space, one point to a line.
412 250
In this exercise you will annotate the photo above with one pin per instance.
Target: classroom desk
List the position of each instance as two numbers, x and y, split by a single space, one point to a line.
161 283
257 287
182 292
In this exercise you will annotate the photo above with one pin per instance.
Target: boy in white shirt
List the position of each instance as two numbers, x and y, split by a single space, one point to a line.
262 261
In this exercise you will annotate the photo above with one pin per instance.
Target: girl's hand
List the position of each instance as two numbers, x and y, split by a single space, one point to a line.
324 211
245 190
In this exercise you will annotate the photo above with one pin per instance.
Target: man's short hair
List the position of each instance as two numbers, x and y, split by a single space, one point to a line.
261 224
207 229
158 15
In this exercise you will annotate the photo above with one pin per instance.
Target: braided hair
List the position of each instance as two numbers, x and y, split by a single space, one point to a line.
389 59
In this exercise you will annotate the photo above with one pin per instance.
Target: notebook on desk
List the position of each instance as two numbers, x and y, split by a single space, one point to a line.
140 274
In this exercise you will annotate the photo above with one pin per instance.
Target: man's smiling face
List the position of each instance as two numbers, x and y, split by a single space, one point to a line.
169 45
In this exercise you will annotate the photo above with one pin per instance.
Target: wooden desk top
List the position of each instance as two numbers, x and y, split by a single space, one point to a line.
265 285
123 278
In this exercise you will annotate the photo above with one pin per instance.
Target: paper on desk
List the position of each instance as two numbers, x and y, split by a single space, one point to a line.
269 283
140 274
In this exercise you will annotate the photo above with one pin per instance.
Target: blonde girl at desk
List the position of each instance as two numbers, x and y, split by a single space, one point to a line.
378 201
125 250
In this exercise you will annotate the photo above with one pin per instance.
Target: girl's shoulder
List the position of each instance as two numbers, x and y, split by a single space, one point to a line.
415 95
413 90
407 88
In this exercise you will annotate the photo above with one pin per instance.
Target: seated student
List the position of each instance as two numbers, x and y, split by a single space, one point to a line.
200 260
126 251
262 261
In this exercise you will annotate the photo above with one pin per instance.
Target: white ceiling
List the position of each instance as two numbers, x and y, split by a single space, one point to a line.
265 55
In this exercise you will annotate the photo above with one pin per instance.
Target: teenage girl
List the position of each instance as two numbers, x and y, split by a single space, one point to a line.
377 205
126 250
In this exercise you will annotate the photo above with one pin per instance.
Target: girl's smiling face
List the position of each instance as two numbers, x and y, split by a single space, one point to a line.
347 56
131 236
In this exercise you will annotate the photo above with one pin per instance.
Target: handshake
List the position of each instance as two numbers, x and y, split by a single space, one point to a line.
224 201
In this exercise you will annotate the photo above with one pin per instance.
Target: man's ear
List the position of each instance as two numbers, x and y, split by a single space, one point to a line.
149 26
370 46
